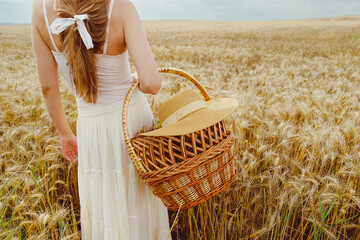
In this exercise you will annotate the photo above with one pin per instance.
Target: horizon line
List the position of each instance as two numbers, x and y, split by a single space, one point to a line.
204 20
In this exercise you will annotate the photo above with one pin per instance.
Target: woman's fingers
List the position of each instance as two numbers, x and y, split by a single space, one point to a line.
69 148
71 156
74 155
67 156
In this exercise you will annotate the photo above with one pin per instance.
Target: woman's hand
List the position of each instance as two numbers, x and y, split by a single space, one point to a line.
134 76
69 147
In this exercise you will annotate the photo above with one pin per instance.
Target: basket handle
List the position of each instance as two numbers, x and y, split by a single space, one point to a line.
134 158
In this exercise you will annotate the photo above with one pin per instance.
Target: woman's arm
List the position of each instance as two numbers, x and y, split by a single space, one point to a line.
139 49
48 76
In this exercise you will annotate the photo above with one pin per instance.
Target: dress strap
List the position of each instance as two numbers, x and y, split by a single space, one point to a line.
47 25
108 26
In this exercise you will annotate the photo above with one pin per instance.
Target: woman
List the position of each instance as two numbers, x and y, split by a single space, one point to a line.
90 47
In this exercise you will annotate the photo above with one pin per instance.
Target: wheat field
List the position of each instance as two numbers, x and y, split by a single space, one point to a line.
297 130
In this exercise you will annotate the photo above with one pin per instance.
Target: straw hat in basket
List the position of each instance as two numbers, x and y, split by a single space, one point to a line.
187 112
189 159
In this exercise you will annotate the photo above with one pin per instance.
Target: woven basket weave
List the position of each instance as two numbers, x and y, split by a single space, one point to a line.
183 170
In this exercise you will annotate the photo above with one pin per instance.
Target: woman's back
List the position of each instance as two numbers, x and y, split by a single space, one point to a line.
116 38
125 35
113 71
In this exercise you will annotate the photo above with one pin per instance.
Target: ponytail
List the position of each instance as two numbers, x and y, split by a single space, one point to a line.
80 59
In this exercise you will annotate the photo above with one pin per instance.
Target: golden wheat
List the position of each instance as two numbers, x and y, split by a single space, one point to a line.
297 139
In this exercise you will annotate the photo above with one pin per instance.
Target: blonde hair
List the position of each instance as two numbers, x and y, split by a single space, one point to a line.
80 59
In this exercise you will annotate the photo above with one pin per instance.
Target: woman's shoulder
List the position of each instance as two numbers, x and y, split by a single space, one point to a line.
37 15
123 3
123 9
37 8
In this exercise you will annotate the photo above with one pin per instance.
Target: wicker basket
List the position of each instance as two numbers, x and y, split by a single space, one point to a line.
184 170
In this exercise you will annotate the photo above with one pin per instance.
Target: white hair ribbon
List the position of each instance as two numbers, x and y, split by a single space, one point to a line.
60 24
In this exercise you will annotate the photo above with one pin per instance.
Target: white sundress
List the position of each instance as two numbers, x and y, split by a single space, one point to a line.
114 203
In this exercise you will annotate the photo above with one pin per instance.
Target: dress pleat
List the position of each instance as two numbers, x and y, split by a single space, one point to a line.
115 203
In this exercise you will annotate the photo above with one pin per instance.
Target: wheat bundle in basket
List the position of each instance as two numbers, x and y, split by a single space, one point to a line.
183 170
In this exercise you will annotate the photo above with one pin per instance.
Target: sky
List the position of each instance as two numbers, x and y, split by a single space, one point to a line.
19 11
